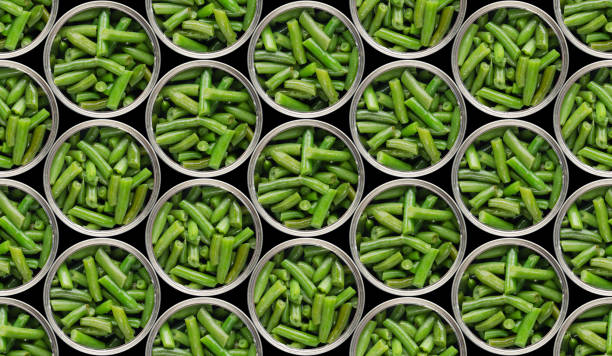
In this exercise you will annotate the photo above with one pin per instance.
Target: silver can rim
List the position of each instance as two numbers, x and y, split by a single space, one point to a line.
41 36
573 316
407 64
211 183
572 38
510 123
58 26
54 117
331 248
557 117
557 236
134 134
101 242
412 54
318 6
513 242
203 55
38 316
409 301
203 301
564 58
54 244
259 149
204 64
405 183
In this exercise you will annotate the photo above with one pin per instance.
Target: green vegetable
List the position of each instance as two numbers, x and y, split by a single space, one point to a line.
111 298
102 178
204 118
306 59
308 299
510 296
203 237
306 178
408 119
102 59
510 178
509 59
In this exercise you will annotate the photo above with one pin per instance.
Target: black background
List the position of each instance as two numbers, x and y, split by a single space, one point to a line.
237 59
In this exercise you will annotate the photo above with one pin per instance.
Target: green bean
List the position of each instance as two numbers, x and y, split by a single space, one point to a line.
109 42
590 330
513 300
29 19
321 293
21 331
108 292
319 174
221 131
429 247
512 81
516 194
103 172
584 18
319 70
408 142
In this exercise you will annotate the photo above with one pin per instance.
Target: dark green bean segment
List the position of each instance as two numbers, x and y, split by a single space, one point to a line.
305 296
510 297
509 59
102 59
101 177
586 237
204 26
306 59
407 26
203 237
25 118
408 119
589 21
204 329
407 329
584 119
21 333
21 22
590 333
204 118
408 237
306 178
26 237
510 178
102 297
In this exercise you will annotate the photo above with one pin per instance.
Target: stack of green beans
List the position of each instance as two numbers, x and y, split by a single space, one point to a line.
510 178
24 118
305 298
21 333
102 297
306 178
414 250
204 118
401 112
298 54
583 119
27 237
21 21
590 333
202 237
204 329
590 21
510 297
102 59
407 329
204 26
407 25
586 237
509 59
101 179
